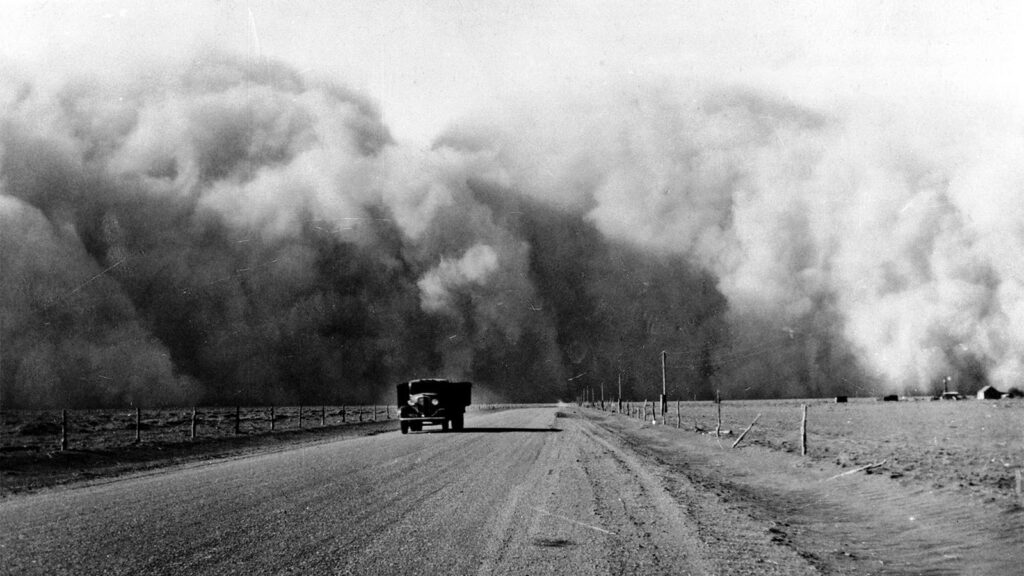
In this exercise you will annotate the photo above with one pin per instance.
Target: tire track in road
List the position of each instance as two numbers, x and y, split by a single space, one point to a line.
723 539
590 508
546 523
655 538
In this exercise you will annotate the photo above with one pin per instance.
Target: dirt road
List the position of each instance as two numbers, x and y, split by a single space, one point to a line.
523 491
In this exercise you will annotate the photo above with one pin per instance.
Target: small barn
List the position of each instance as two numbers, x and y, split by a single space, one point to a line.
989 393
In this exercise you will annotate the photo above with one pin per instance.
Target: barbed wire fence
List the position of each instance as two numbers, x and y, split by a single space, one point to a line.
69 429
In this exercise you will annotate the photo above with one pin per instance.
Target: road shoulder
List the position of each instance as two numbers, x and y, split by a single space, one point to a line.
854 524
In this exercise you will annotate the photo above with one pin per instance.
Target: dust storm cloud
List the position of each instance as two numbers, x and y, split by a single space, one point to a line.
866 248
230 231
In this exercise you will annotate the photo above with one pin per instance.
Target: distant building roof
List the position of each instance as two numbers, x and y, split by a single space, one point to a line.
989 393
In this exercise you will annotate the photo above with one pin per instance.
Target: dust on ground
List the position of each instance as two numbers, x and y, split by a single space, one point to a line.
859 523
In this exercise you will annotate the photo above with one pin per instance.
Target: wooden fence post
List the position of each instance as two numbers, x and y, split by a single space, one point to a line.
300 417
192 434
138 425
679 415
803 431
373 415
273 419
1020 486
64 435
718 403
238 419
360 415
740 439
663 401
323 416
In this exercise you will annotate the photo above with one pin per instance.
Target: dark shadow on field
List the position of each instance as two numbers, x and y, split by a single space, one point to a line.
494 430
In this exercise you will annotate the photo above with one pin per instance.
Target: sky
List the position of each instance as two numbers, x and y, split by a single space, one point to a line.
429 63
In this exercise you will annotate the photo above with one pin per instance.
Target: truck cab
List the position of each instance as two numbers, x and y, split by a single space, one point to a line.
432 401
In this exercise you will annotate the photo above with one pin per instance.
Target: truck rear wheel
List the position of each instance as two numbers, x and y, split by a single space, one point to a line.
444 426
457 422
405 427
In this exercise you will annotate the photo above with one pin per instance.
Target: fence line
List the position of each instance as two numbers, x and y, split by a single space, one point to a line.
638 410
93 428
125 426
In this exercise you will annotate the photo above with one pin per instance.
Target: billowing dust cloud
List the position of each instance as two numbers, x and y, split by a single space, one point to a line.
232 231
887 242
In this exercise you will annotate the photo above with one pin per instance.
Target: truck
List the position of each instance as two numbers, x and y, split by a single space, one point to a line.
432 401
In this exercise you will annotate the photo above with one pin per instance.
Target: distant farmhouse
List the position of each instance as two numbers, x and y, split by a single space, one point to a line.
989 393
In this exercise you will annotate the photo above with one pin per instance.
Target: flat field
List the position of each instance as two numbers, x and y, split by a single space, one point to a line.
975 446
104 429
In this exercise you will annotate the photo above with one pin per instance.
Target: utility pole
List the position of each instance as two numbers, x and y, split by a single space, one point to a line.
664 384
620 392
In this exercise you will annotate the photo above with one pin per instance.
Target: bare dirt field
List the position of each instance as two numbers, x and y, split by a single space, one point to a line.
966 447
40 430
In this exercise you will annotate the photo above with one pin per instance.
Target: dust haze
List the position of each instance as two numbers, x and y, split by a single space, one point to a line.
225 230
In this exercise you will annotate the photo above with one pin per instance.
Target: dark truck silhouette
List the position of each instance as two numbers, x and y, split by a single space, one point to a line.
431 401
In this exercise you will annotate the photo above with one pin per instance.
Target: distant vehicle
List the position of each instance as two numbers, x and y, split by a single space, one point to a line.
952 395
432 401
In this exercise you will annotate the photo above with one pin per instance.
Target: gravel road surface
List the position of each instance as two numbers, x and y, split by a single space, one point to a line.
519 492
